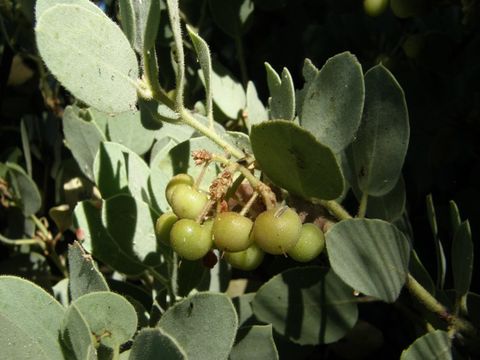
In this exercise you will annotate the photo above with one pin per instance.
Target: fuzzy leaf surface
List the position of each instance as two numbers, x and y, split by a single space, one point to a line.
89 55
293 159
307 305
333 103
382 139
371 256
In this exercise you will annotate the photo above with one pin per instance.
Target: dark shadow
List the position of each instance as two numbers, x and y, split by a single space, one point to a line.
108 178
148 109
295 309
180 156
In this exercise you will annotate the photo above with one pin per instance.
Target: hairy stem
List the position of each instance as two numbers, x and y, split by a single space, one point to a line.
334 207
433 305
188 119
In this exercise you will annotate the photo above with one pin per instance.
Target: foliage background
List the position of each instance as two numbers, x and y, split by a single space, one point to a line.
435 56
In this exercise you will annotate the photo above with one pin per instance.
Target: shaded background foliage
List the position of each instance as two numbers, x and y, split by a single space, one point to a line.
434 54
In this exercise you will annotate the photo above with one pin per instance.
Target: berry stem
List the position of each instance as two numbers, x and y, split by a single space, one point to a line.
249 204
268 195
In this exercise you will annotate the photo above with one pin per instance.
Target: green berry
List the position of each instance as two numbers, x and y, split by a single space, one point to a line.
188 202
189 239
231 232
310 244
374 7
164 225
178 179
246 260
277 230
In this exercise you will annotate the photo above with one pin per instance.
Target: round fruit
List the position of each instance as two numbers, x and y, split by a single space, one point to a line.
246 260
207 230
374 7
177 180
277 230
187 202
164 225
189 239
231 231
310 244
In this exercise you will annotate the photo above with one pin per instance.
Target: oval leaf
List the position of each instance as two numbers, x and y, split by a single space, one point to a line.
100 70
42 5
333 103
294 160
84 276
369 255
204 325
127 129
110 317
76 335
99 242
254 342
382 139
33 317
118 170
432 346
228 94
256 112
83 137
153 344
307 305
25 191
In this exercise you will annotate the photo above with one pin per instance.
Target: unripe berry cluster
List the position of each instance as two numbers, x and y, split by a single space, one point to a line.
242 241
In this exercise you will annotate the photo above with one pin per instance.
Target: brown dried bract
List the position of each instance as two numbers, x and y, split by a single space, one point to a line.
201 157
220 185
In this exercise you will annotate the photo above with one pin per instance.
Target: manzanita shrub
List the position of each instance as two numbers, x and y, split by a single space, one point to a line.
173 200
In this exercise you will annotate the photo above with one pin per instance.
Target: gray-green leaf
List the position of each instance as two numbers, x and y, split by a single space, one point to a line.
76 336
255 110
153 344
432 346
110 317
294 160
25 191
127 129
89 55
282 92
307 305
83 137
333 103
204 325
118 170
254 342
203 55
84 276
116 252
369 255
382 139
31 319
